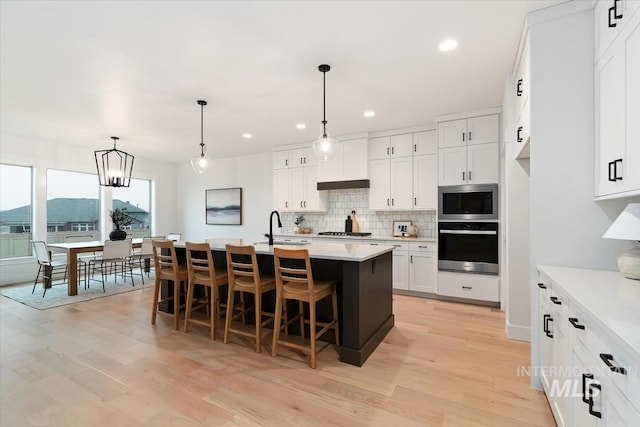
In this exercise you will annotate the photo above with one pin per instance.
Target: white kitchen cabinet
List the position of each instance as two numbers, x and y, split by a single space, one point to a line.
617 108
610 18
295 179
400 265
471 164
425 182
350 162
481 287
423 267
472 130
589 372
385 147
391 184
425 142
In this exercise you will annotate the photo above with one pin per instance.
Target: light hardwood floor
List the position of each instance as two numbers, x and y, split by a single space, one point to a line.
101 363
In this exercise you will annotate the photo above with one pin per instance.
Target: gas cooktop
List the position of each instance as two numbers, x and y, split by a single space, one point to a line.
342 233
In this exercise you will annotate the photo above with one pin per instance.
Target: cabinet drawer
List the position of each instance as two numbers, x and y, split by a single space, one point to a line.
471 286
423 247
397 245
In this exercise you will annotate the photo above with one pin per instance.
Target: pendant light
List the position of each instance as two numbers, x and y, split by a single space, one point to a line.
114 166
200 163
324 147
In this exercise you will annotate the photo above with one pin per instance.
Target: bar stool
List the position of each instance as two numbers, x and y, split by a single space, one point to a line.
203 272
244 276
167 268
294 281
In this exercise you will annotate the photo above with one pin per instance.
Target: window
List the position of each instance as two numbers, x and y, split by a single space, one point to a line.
137 199
15 211
73 204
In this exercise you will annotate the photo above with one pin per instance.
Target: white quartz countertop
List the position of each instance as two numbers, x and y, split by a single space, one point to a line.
613 299
404 239
338 251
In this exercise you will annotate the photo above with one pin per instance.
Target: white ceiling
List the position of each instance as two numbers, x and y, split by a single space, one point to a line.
79 72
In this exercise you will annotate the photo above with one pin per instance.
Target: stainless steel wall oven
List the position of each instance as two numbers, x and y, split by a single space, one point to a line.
470 247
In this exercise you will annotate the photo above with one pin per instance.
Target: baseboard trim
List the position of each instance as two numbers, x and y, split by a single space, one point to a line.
520 333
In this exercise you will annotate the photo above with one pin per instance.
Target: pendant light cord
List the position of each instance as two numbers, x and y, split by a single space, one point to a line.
202 130
324 103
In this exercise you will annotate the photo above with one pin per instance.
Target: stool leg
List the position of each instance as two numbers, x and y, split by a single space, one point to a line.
227 322
276 326
312 331
258 308
155 301
189 306
213 312
301 311
176 303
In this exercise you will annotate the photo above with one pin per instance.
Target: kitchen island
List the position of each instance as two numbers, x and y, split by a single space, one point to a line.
364 276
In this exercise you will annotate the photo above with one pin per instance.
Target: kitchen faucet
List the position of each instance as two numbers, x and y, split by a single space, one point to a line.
271 226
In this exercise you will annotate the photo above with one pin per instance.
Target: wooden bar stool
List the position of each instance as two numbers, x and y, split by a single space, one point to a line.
167 268
203 272
244 276
294 281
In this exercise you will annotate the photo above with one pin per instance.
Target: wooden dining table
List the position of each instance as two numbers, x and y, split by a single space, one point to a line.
72 249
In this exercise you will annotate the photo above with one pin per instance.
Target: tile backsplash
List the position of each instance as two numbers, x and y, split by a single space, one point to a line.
341 202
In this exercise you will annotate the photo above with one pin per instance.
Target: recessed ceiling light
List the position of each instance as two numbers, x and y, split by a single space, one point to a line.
369 113
301 126
247 136
448 45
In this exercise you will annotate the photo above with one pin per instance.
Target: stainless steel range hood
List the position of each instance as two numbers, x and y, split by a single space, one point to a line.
342 185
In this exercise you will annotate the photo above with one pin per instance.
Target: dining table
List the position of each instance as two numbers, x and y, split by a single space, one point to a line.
72 249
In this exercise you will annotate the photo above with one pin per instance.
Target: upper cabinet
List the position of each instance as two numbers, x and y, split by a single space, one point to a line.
468 150
522 85
350 162
295 180
617 99
402 171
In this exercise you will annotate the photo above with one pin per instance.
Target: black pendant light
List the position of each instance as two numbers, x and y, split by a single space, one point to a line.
200 163
114 166
324 147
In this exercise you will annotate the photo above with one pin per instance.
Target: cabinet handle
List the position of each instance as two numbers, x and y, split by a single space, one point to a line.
392 152
387 151
542 286
373 244
396 246
555 300
612 176
615 169
301 160
469 175
596 414
469 136
300 203
387 202
415 148
547 318
393 202
519 88
415 201
286 162
463 134
519 134
468 288
584 386
411 259
607 359
305 160
574 322
611 12
286 204
305 203
423 247
615 10
463 176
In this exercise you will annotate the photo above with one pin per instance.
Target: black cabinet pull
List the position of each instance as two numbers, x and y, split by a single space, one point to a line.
415 200
574 322
411 259
415 148
387 151
387 202
584 386
555 300
596 414
393 202
286 204
469 136
519 88
392 152
469 175
463 136
615 170
615 10
463 176
467 287
286 162
607 359
542 286
611 12
519 134
545 327
612 176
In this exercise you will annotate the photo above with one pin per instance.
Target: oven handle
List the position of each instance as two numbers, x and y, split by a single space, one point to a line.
468 232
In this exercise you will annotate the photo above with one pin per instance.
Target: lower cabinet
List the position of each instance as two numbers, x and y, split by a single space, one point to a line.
482 287
589 380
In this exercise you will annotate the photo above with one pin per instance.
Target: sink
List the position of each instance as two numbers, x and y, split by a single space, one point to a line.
280 242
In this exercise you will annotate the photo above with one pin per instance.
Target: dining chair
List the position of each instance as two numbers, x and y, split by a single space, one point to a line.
115 259
167 268
244 276
294 281
83 259
46 266
202 272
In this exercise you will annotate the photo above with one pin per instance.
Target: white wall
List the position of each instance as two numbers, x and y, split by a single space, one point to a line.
566 224
251 173
42 156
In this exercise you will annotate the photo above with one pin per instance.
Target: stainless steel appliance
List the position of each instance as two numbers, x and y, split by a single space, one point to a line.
342 233
468 247
477 202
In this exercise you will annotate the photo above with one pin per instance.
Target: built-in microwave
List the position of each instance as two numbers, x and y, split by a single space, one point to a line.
468 202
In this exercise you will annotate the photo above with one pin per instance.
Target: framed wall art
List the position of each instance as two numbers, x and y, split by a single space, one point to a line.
223 206
401 228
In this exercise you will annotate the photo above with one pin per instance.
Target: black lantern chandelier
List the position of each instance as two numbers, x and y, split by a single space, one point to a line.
324 147
114 166
200 163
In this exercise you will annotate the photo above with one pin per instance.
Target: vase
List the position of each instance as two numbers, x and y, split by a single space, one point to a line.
118 234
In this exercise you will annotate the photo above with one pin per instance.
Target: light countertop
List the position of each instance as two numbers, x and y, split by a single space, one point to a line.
404 239
613 300
338 251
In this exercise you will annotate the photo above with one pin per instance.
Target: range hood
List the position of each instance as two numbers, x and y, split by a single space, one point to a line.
342 185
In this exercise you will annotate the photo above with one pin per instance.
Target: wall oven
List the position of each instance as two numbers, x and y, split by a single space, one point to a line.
477 202
468 247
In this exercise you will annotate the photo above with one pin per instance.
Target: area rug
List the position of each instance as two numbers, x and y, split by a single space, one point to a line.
57 296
